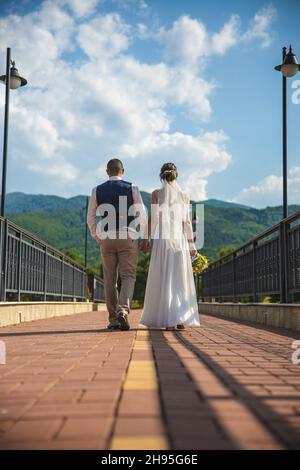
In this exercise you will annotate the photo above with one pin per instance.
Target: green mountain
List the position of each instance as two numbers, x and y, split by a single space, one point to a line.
21 202
61 222
224 204
230 227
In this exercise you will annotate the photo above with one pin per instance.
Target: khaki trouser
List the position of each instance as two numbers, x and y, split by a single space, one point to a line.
118 256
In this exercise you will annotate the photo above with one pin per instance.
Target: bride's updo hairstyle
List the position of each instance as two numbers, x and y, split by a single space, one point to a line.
168 172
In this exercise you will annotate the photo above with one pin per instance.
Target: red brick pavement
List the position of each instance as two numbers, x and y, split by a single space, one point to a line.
70 384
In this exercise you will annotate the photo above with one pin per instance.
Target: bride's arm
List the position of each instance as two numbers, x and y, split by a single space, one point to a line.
188 228
153 214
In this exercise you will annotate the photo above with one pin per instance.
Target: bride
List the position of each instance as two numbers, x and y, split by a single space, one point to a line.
170 297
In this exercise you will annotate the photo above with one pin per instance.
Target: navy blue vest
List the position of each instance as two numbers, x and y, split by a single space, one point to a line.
109 193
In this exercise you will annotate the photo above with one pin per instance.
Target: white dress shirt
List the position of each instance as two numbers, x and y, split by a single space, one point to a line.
137 200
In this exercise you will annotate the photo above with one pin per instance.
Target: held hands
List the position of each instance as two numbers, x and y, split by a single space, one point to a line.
97 239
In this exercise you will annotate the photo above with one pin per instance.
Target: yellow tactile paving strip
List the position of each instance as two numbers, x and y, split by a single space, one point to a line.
139 443
141 378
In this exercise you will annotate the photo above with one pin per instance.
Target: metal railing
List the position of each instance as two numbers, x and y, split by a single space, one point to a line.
98 289
31 266
268 264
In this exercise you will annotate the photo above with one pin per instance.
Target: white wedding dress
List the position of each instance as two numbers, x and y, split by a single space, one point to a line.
170 297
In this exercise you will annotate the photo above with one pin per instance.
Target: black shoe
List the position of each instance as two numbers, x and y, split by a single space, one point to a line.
123 320
115 326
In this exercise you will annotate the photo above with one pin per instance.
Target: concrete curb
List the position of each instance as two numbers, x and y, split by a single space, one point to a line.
13 313
277 315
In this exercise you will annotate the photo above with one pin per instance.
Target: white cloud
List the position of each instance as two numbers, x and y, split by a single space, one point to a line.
260 26
227 37
196 157
104 35
39 132
80 8
76 113
38 41
62 170
268 191
143 5
189 41
185 41
139 7
196 186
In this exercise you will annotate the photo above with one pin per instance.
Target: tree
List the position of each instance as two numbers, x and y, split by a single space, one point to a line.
225 251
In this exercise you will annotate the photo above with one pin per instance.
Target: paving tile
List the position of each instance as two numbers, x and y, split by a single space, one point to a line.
225 385
32 430
85 428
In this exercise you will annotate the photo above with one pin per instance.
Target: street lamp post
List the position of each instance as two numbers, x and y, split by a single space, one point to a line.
288 68
86 232
12 81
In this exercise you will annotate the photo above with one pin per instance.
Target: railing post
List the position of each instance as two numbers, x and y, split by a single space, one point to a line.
283 263
19 266
62 280
93 289
4 234
198 286
219 282
254 271
45 274
73 282
287 262
234 276
85 285
201 285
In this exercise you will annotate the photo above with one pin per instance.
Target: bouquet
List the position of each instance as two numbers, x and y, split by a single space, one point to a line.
199 263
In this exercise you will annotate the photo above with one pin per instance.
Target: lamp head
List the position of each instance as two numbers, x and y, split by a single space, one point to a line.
290 65
15 78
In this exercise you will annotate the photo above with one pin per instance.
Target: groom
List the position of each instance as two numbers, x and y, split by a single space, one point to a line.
117 238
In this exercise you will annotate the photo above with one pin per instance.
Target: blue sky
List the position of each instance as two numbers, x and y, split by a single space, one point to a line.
152 81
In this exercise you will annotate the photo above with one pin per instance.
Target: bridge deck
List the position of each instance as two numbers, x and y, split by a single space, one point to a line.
70 384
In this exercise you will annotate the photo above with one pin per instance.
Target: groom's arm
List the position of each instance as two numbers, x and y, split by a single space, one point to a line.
91 214
141 210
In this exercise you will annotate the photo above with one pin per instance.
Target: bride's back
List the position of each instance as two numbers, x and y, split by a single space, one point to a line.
170 194
170 211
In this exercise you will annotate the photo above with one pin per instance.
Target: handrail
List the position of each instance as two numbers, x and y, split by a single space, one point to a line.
39 241
30 266
254 269
262 235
